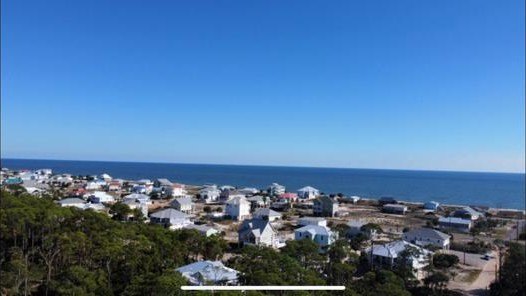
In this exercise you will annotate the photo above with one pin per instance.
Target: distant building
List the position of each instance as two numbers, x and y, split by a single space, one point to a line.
107 178
354 199
101 197
431 206
307 193
355 227
238 208
389 255
209 194
427 236
171 218
178 190
266 214
455 223
394 209
275 189
258 201
138 197
312 221
258 232
387 200
163 186
321 235
209 272
203 229
137 204
324 206
288 197
183 204
467 213
72 202
248 191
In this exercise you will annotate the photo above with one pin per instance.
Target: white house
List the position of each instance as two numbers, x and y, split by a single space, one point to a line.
388 255
321 235
206 272
467 213
258 232
137 204
93 185
203 229
276 189
312 221
266 214
100 197
354 199
238 208
210 194
307 193
248 191
427 236
163 186
431 206
459 224
72 202
171 218
178 190
355 227
394 209
107 178
138 197
183 204
325 206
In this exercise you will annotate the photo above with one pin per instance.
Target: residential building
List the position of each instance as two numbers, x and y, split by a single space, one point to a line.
209 194
266 214
275 189
143 198
248 191
238 208
72 202
258 232
163 186
467 213
209 272
394 209
178 190
455 223
431 206
107 178
325 206
258 201
137 204
390 255
312 221
171 218
427 236
354 199
387 200
203 229
356 227
288 197
321 235
100 197
183 204
307 193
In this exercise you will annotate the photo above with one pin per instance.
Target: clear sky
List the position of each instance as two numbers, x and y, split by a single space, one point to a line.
368 84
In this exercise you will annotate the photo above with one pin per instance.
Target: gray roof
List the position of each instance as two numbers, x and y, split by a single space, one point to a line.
428 233
266 212
395 206
71 200
325 198
187 200
208 271
169 214
256 226
314 230
454 220
164 182
308 189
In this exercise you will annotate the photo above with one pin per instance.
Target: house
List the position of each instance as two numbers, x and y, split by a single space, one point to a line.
178 190
387 200
467 213
455 223
394 209
281 205
114 185
139 189
138 197
312 221
72 202
266 214
288 197
100 197
163 186
93 185
354 199
209 272
355 227
275 189
183 204
146 184
390 255
258 232
107 178
171 218
203 229
427 236
321 235
258 201
238 208
248 191
137 204
209 194
325 206
431 206
228 194
307 193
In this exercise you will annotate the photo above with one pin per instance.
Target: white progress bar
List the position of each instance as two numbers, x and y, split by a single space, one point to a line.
268 288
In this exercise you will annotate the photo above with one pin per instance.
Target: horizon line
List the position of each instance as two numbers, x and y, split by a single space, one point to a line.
270 165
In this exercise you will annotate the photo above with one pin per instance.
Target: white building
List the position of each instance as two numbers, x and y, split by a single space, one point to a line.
307 193
258 232
72 202
266 214
209 272
171 218
178 190
100 197
427 236
312 221
238 208
138 197
459 224
276 189
210 194
203 229
183 204
321 235
137 204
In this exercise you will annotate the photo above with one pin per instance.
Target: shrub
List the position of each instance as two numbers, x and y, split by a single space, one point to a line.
445 260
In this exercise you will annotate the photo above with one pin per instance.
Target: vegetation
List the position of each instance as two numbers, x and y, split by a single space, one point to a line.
512 277
442 260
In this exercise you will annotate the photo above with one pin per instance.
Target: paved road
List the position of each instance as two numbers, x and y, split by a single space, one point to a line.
480 285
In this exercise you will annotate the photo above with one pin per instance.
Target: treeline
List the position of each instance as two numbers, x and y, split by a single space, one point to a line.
50 250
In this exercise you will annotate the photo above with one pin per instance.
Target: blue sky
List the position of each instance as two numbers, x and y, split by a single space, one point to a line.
370 84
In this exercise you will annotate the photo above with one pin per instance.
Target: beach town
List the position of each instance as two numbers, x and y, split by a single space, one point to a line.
382 229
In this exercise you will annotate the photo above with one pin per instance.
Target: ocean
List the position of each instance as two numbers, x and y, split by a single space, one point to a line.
502 190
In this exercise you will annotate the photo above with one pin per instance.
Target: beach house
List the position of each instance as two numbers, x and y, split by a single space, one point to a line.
209 272
258 232
276 189
325 206
431 206
355 227
203 229
394 209
467 213
170 218
183 204
312 221
307 193
238 208
209 194
427 236
321 235
266 214
455 223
